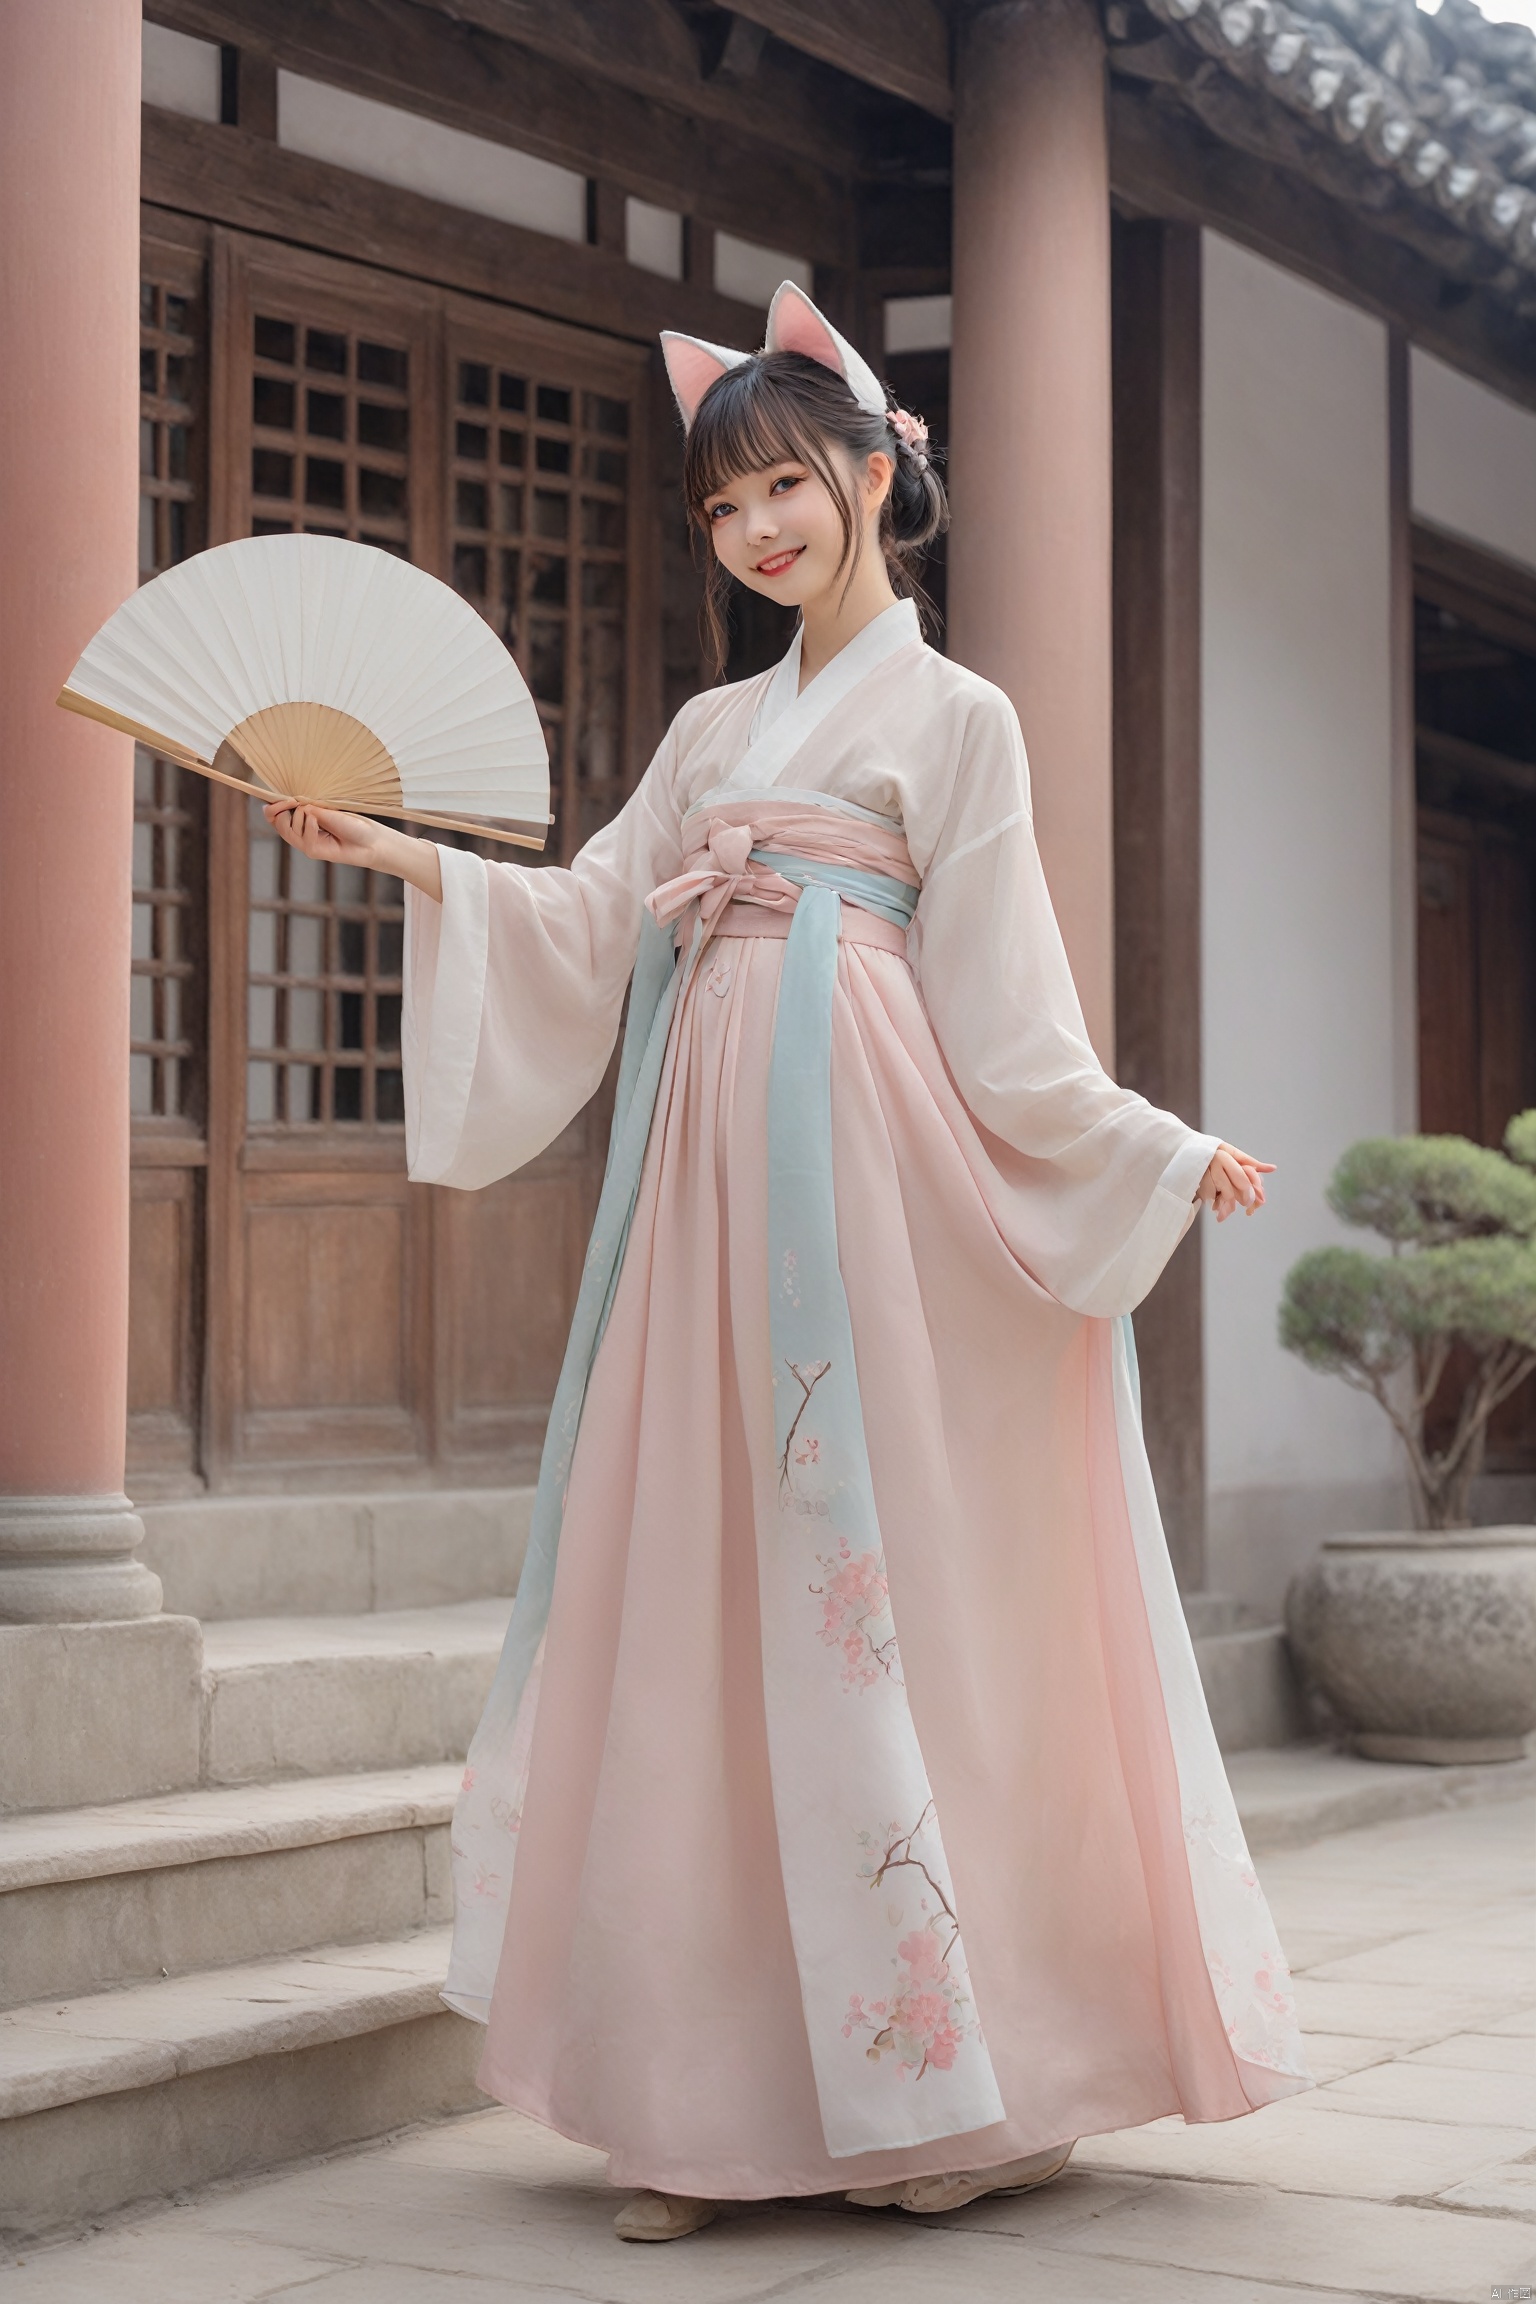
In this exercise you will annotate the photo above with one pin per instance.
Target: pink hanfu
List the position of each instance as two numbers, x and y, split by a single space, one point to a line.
656 1919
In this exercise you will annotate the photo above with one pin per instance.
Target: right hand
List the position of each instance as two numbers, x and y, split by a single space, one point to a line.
333 836
1232 1181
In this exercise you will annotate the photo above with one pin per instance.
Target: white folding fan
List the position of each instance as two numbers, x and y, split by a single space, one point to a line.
334 673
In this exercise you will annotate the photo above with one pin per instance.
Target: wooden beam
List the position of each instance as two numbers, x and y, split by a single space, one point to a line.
646 46
898 46
402 53
235 179
1495 594
1157 711
1163 163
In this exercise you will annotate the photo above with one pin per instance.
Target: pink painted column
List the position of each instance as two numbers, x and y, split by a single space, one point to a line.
69 265
1029 555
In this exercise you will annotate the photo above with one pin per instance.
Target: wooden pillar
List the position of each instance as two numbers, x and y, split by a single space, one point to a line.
1157 801
1405 795
1029 554
69 138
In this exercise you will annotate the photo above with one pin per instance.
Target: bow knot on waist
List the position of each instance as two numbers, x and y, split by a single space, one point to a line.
725 872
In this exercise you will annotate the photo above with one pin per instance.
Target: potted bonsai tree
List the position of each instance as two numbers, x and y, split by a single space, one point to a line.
1424 1645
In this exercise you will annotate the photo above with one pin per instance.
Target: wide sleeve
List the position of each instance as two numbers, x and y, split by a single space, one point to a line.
514 986
1094 1186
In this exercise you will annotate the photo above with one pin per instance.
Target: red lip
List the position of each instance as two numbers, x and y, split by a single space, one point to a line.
777 562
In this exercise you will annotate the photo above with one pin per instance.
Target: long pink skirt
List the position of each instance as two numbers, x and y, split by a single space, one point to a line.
647 2000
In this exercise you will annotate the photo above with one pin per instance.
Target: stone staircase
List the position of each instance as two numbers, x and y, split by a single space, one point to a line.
228 1974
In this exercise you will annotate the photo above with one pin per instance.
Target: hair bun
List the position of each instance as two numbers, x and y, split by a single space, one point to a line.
919 506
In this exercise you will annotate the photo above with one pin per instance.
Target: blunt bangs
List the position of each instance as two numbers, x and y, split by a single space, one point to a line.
754 417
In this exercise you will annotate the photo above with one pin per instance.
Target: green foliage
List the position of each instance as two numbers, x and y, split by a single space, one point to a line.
1389 1324
1427 1189
1479 1291
1520 1139
1345 1310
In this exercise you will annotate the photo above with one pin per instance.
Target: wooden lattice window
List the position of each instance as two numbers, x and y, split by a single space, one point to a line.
540 523
323 990
163 1064
330 433
169 806
334 413
170 397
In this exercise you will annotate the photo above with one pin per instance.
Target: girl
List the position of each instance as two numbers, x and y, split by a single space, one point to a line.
846 1815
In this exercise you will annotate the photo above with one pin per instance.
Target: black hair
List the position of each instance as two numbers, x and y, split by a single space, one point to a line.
782 407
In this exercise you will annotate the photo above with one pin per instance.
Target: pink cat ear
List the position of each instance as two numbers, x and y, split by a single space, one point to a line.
692 366
795 325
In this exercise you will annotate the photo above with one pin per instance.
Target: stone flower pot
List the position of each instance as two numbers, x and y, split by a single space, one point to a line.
1424 1646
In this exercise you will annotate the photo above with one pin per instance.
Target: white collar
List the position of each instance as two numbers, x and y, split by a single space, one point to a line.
787 713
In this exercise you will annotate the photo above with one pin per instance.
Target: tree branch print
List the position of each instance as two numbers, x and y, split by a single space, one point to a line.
807 1374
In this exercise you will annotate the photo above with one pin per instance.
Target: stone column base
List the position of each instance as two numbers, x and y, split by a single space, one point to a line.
97 1712
69 1560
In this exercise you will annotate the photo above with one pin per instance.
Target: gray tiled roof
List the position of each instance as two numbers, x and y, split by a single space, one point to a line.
1433 117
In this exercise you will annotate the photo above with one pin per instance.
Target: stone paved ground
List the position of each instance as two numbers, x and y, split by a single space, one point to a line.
1410 2173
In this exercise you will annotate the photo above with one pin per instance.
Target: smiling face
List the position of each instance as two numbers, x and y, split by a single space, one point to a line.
783 533
788 477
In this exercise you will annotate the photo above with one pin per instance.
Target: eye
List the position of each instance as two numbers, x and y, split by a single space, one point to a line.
786 480
720 511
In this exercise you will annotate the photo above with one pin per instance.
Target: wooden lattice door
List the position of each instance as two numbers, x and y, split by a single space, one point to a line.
551 536
360 1328
167 1027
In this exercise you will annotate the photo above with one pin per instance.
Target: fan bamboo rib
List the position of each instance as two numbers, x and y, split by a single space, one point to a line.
313 752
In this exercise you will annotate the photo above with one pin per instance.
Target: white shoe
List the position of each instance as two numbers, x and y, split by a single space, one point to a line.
663 2216
937 2195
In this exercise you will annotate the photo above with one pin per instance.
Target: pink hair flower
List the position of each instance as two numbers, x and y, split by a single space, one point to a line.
911 431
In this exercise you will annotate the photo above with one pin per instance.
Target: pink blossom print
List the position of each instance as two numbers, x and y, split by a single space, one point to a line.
856 1615
926 2015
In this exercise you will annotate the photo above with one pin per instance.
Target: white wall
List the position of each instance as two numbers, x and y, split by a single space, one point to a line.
422 155
1298 992
752 274
181 74
1474 460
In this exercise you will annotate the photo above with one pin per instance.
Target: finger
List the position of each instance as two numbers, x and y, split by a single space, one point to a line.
1245 1185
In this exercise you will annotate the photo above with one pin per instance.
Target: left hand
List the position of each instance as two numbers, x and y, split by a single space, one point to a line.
1232 1182
333 836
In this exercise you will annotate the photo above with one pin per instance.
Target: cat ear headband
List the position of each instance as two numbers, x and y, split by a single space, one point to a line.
794 325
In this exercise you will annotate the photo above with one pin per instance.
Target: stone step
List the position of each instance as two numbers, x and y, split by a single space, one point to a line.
92 1897
118 2096
315 1696
220 1557
1288 1799
1208 1612
1250 1685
